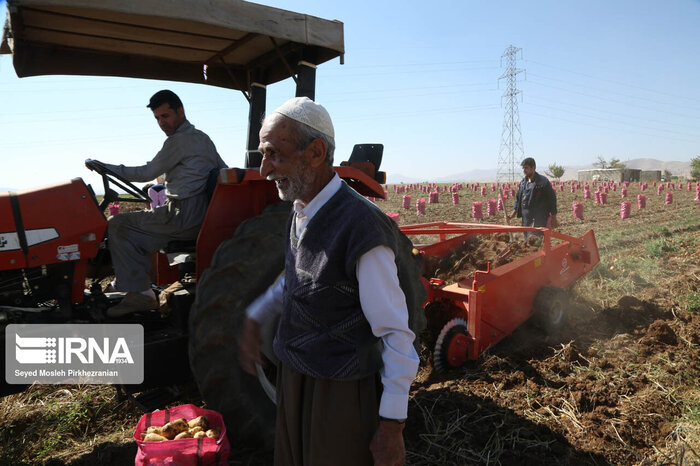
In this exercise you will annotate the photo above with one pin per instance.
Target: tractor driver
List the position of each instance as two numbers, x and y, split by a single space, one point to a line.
187 157
343 315
536 200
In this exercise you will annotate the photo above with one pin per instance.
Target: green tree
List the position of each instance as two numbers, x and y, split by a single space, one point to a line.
615 163
555 171
667 175
601 163
695 168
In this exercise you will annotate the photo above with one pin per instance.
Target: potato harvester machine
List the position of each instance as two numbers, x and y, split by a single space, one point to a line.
475 314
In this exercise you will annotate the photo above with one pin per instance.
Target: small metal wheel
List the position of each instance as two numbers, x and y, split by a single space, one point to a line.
550 308
451 345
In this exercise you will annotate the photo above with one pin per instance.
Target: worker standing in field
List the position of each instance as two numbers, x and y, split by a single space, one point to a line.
346 352
186 159
536 200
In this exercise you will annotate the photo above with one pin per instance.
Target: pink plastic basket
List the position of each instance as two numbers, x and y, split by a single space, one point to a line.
183 452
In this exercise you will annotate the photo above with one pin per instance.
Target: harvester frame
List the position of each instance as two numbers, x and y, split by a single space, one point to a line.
496 301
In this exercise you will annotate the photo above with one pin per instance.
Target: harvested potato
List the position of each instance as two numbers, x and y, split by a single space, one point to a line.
185 434
154 438
195 429
181 424
200 434
200 421
171 429
155 430
213 433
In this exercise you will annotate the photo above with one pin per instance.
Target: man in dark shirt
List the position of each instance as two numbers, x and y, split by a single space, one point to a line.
536 199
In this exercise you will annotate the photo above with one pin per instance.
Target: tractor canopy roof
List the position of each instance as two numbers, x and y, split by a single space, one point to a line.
225 43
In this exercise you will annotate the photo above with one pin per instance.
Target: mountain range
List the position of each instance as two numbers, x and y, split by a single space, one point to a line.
570 172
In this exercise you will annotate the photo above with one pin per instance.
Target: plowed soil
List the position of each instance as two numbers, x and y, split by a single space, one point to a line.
476 253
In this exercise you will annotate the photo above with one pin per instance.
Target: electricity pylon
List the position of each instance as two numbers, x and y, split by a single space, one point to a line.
511 149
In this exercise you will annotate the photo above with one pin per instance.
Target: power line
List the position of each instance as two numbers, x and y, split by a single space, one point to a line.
580 123
615 121
607 99
565 105
619 83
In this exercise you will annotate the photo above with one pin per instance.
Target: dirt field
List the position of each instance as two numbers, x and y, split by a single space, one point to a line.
619 385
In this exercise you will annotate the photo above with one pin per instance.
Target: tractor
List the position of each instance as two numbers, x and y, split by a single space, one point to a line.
47 254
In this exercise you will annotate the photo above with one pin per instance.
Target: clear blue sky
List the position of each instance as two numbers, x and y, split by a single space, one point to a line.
603 78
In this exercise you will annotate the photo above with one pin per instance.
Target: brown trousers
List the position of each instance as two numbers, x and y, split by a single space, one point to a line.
324 422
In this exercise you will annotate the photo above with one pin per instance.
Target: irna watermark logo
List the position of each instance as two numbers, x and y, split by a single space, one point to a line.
86 353
66 350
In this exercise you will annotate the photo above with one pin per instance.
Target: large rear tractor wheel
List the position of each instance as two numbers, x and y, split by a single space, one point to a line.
550 308
242 268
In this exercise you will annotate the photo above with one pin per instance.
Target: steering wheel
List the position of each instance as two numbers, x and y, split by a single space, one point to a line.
108 176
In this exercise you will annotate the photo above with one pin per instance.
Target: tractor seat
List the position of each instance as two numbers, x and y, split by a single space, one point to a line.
180 251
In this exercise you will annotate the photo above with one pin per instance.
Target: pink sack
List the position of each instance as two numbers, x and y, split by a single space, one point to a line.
113 208
183 452
477 213
641 201
625 208
491 207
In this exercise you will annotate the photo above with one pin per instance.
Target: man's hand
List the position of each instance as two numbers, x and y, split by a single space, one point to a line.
387 445
249 346
511 215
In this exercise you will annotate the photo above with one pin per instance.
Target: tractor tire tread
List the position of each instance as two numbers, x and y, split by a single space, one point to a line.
242 268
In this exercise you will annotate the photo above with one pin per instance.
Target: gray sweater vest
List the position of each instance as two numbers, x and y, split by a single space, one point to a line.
323 332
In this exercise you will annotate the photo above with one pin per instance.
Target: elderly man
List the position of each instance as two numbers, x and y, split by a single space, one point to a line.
536 200
344 320
187 157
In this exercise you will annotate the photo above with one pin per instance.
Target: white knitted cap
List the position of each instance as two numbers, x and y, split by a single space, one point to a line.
308 112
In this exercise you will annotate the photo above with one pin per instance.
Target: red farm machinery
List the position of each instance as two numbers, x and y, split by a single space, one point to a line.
47 254
488 307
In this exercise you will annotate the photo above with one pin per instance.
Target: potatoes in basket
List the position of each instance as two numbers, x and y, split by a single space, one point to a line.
172 428
185 434
200 421
180 429
155 430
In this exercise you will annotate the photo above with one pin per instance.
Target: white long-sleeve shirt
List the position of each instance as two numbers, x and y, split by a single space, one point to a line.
383 304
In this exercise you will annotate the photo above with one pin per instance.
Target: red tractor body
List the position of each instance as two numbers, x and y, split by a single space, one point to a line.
52 227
